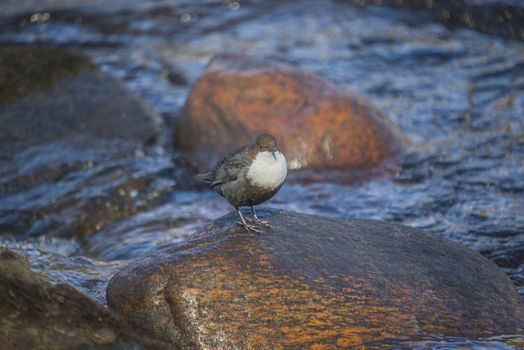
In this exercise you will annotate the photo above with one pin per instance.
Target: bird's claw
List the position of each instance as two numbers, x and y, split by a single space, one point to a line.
249 228
261 222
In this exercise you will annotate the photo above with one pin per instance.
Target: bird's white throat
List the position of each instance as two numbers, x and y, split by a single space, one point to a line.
266 171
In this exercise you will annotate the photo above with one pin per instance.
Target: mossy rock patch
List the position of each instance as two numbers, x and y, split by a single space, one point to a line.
26 68
52 95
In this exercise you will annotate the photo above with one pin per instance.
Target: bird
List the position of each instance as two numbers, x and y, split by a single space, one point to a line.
249 176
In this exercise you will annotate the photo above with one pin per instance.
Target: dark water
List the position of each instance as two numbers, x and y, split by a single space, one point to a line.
457 93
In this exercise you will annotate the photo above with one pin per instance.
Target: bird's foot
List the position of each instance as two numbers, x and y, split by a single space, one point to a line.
256 220
249 228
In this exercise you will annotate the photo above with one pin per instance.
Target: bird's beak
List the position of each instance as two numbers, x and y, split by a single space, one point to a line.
274 152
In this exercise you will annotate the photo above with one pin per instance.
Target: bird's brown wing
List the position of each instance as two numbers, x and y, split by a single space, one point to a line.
229 169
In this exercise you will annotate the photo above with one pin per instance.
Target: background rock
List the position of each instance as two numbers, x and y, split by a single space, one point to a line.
68 127
51 95
317 124
314 282
35 314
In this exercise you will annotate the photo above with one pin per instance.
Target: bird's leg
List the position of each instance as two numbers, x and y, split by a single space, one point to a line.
243 223
256 219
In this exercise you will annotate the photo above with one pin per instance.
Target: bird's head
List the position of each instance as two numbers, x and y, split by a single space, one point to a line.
266 143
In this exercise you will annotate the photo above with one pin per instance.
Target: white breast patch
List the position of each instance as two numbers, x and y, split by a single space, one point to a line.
266 171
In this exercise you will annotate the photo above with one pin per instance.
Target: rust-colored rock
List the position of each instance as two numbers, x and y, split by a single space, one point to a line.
318 125
313 282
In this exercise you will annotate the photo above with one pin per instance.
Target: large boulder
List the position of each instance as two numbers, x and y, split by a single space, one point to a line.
317 124
53 95
38 314
314 282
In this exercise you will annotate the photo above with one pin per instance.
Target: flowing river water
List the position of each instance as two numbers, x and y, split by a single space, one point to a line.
457 93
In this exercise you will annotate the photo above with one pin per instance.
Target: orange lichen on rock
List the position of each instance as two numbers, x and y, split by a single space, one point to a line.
318 125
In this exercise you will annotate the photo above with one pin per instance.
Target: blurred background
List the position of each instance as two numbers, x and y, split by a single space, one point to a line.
450 74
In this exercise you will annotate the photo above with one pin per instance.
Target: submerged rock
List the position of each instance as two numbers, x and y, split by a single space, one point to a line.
35 314
314 282
317 124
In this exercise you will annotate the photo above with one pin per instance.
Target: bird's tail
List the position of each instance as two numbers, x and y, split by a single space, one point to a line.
207 177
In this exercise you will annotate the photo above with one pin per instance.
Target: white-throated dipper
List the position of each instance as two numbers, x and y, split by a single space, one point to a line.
249 176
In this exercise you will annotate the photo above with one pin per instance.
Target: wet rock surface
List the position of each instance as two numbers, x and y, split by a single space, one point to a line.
318 125
38 314
314 282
